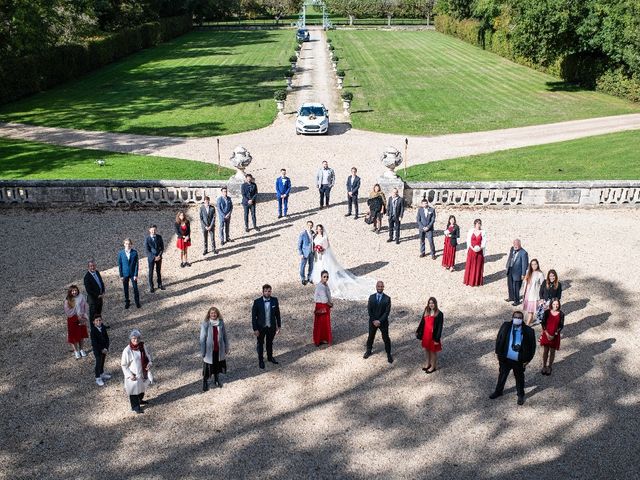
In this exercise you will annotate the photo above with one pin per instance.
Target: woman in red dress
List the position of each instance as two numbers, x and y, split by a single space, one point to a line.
552 325
451 235
322 313
183 232
76 310
476 242
430 331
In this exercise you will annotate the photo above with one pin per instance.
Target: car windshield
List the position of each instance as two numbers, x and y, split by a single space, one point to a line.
308 111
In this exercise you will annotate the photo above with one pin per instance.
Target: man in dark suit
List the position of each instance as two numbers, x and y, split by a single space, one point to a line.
94 286
426 219
515 347
249 196
283 190
378 308
353 186
154 248
225 207
208 224
395 211
265 320
128 270
517 264
100 346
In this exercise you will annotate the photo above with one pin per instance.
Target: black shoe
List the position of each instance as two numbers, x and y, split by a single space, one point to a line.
161 287
205 252
205 386
422 255
515 304
138 410
219 383
187 264
127 305
310 281
356 217
389 358
246 229
495 395
182 264
367 354
261 364
257 229
304 282
433 257
151 289
520 400
397 242
215 251
508 300
279 216
273 360
389 240
144 402
348 215
223 242
138 305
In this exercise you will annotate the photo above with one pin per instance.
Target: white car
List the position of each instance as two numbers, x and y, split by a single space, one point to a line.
312 118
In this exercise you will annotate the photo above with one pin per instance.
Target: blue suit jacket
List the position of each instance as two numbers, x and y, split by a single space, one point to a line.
305 244
128 268
224 207
353 187
521 265
426 218
283 189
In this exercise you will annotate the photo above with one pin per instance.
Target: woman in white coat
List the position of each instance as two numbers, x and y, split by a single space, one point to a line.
136 366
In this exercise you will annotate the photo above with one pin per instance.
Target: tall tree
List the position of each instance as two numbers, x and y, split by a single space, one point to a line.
279 8
351 9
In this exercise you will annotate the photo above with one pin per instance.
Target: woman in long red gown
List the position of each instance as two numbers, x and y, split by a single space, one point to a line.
76 309
476 242
322 313
552 324
451 235
430 331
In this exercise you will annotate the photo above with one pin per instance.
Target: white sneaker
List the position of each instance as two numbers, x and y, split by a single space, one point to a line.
105 376
77 354
99 382
83 353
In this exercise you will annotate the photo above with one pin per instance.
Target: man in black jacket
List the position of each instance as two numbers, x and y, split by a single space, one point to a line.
94 286
515 348
154 247
100 346
378 308
265 320
426 218
249 191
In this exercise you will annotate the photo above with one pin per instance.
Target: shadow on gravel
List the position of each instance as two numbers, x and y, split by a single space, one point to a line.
367 268
338 128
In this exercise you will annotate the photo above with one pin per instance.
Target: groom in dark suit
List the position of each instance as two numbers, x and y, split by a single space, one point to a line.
208 224
265 320
94 287
378 308
395 211
154 247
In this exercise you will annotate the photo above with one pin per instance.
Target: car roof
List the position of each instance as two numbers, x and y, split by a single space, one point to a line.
313 104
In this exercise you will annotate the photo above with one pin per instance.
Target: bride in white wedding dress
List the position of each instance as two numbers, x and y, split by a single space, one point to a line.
343 283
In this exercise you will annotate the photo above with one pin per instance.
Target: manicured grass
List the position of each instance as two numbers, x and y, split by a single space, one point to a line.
426 83
200 84
38 161
614 156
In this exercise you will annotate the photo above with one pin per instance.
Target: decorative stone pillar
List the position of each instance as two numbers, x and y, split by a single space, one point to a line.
391 158
240 159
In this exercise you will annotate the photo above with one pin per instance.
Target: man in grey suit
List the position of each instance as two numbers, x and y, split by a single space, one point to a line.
325 179
305 250
426 219
395 211
517 264
208 223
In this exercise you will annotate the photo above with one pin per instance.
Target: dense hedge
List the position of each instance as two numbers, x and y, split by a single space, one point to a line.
589 71
24 76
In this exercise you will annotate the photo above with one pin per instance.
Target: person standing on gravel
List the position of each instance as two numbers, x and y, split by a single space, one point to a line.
225 207
353 186
208 224
395 211
325 179
283 189
378 308
94 287
249 196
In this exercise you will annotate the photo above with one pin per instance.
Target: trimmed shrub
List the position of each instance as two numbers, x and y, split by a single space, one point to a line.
347 96
340 73
280 95
617 83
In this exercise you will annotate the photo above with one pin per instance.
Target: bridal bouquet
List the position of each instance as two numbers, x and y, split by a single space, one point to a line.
319 248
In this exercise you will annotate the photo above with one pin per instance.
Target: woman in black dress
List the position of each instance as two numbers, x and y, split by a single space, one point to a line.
377 205
551 288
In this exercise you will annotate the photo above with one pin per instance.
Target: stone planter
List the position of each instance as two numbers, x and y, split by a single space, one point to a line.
391 158
346 105
289 83
340 82
241 159
335 65
293 65
280 106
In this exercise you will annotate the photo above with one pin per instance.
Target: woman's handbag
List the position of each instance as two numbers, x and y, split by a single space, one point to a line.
368 220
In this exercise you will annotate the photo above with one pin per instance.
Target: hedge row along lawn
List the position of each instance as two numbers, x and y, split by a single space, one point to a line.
38 161
427 83
614 156
200 84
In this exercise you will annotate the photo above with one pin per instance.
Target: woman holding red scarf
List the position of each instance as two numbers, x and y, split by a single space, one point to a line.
136 366
214 348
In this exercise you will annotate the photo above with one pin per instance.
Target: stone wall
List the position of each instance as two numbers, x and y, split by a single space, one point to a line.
528 194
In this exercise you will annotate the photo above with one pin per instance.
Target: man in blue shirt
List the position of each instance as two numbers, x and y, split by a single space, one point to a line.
515 348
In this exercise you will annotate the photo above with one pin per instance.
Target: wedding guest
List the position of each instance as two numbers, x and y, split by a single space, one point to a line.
353 186
430 331
225 207
552 325
76 310
325 179
100 347
426 219
266 322
533 281
476 242
377 204
136 366
517 262
154 247
322 312
395 212
214 348
515 347
94 286
551 288
451 235
306 252
283 189
183 233
208 224
128 271
249 191
378 308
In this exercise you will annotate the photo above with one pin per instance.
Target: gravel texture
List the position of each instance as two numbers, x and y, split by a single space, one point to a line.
323 412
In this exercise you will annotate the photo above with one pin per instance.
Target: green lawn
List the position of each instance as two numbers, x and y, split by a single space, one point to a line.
427 83
200 84
614 156
38 161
